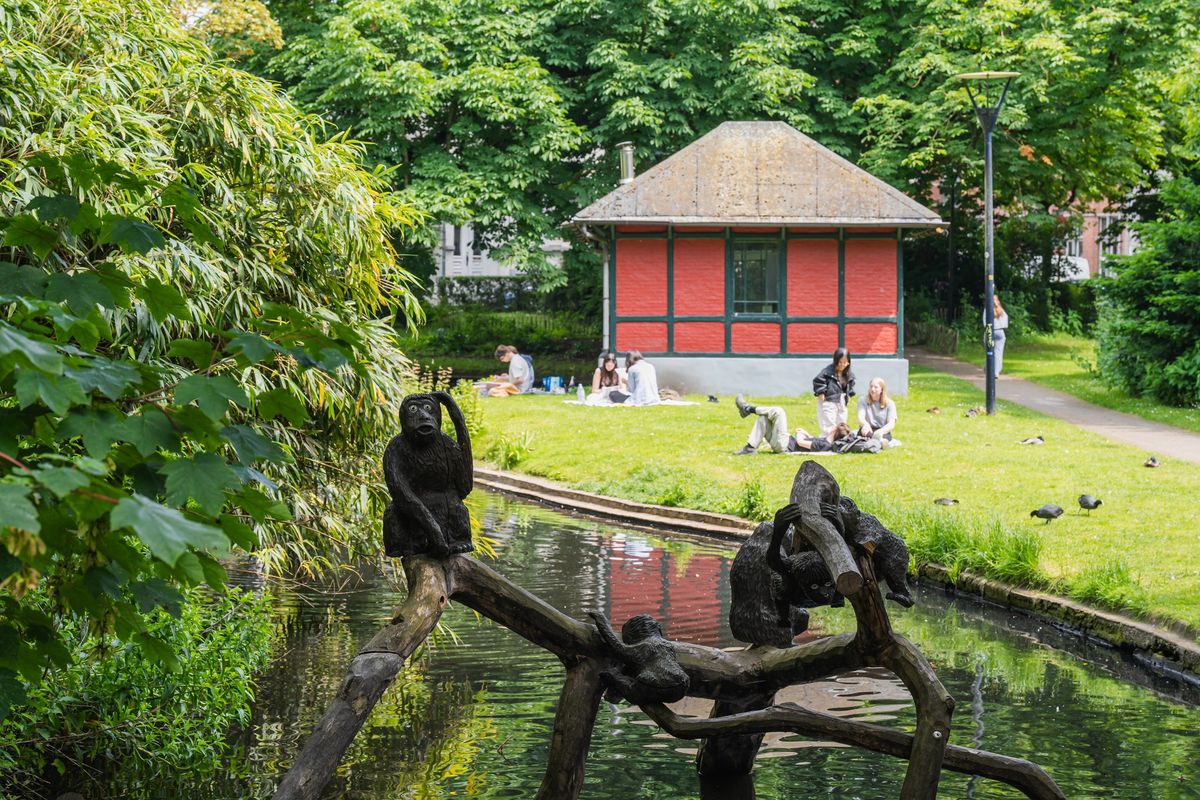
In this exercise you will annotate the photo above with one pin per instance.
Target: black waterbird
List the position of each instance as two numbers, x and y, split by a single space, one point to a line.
1047 512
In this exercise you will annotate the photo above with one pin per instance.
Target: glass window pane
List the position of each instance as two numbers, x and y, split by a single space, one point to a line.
756 278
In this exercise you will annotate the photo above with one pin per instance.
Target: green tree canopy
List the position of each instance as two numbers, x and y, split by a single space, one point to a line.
508 113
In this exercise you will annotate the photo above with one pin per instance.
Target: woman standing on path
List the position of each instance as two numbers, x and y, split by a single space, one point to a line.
833 387
999 326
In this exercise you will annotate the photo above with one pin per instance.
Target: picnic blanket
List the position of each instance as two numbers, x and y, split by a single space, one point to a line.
623 405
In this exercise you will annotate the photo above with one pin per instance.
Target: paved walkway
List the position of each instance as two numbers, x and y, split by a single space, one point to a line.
1154 437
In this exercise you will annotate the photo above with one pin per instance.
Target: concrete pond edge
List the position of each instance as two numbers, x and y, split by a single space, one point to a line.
1160 649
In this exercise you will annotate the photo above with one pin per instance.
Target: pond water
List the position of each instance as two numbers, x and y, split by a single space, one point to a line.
474 719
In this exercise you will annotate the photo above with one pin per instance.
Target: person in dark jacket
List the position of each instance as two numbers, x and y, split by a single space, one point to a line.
833 388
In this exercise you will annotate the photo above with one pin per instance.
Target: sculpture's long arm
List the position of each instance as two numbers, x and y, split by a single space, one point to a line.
464 470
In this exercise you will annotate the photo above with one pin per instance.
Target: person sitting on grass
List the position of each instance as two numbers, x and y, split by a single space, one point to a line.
608 384
642 380
877 414
771 427
519 379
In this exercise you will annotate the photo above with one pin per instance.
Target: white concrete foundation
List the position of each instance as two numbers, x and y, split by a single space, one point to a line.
768 377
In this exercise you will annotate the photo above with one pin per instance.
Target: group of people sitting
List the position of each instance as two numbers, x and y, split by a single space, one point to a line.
833 388
635 385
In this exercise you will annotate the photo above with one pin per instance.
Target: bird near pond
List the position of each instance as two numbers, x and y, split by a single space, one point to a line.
1087 502
933 410
1047 512
945 501
1039 439
1150 462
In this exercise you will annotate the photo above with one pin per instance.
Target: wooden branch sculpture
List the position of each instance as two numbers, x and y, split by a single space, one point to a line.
647 669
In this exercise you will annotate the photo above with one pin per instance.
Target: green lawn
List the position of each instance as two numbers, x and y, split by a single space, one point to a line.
1067 363
683 455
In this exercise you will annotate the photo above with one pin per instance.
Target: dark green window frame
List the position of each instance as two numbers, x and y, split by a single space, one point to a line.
756 277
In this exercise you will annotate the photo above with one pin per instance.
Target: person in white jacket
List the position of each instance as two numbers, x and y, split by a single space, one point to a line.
642 380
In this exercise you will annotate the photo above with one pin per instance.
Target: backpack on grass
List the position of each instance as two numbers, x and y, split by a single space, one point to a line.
857 444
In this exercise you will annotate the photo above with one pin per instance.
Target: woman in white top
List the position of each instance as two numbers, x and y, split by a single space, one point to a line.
877 413
608 384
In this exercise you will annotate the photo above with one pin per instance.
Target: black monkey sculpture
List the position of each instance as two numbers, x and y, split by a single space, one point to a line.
428 474
889 553
649 672
773 588
777 574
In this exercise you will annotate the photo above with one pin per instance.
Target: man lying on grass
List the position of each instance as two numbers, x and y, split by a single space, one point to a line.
771 427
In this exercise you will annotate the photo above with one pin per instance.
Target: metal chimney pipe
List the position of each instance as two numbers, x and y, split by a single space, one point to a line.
626 151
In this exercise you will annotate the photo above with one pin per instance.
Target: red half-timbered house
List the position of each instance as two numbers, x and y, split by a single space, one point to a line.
739 263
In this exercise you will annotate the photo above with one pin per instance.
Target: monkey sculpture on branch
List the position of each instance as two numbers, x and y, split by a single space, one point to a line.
428 474
778 574
649 672
772 592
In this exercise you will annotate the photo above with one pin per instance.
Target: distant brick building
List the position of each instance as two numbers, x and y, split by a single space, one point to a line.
739 263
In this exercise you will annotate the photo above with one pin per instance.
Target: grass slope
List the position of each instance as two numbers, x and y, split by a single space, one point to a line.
1068 363
1137 551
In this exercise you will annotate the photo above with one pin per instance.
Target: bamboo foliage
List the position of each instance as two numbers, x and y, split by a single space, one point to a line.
195 346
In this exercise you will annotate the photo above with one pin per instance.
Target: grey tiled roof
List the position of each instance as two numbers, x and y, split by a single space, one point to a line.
755 173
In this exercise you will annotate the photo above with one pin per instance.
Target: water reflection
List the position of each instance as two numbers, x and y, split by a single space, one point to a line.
474 720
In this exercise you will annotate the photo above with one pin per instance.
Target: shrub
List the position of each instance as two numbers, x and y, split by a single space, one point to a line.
451 332
1149 341
509 450
125 708
749 502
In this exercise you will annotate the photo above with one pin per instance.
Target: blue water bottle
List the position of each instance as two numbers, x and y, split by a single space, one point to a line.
579 392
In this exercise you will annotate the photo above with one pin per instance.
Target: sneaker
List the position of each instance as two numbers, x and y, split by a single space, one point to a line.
746 450
744 408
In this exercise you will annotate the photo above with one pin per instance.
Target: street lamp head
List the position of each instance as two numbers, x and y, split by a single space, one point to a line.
985 76
986 110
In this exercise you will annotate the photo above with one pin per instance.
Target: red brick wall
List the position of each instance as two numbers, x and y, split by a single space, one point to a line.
641 277
870 278
649 337
812 337
874 338
700 278
700 337
812 266
755 337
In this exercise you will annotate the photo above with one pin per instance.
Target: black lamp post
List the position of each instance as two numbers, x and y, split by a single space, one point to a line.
988 114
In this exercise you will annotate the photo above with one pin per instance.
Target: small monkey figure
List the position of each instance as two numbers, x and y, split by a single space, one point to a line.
649 672
428 474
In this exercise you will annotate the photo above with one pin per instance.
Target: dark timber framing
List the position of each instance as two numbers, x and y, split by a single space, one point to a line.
783 318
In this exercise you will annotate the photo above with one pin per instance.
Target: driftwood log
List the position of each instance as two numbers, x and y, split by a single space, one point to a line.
743 684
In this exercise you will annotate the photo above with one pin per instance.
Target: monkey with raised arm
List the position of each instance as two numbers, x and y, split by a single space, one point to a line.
428 474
